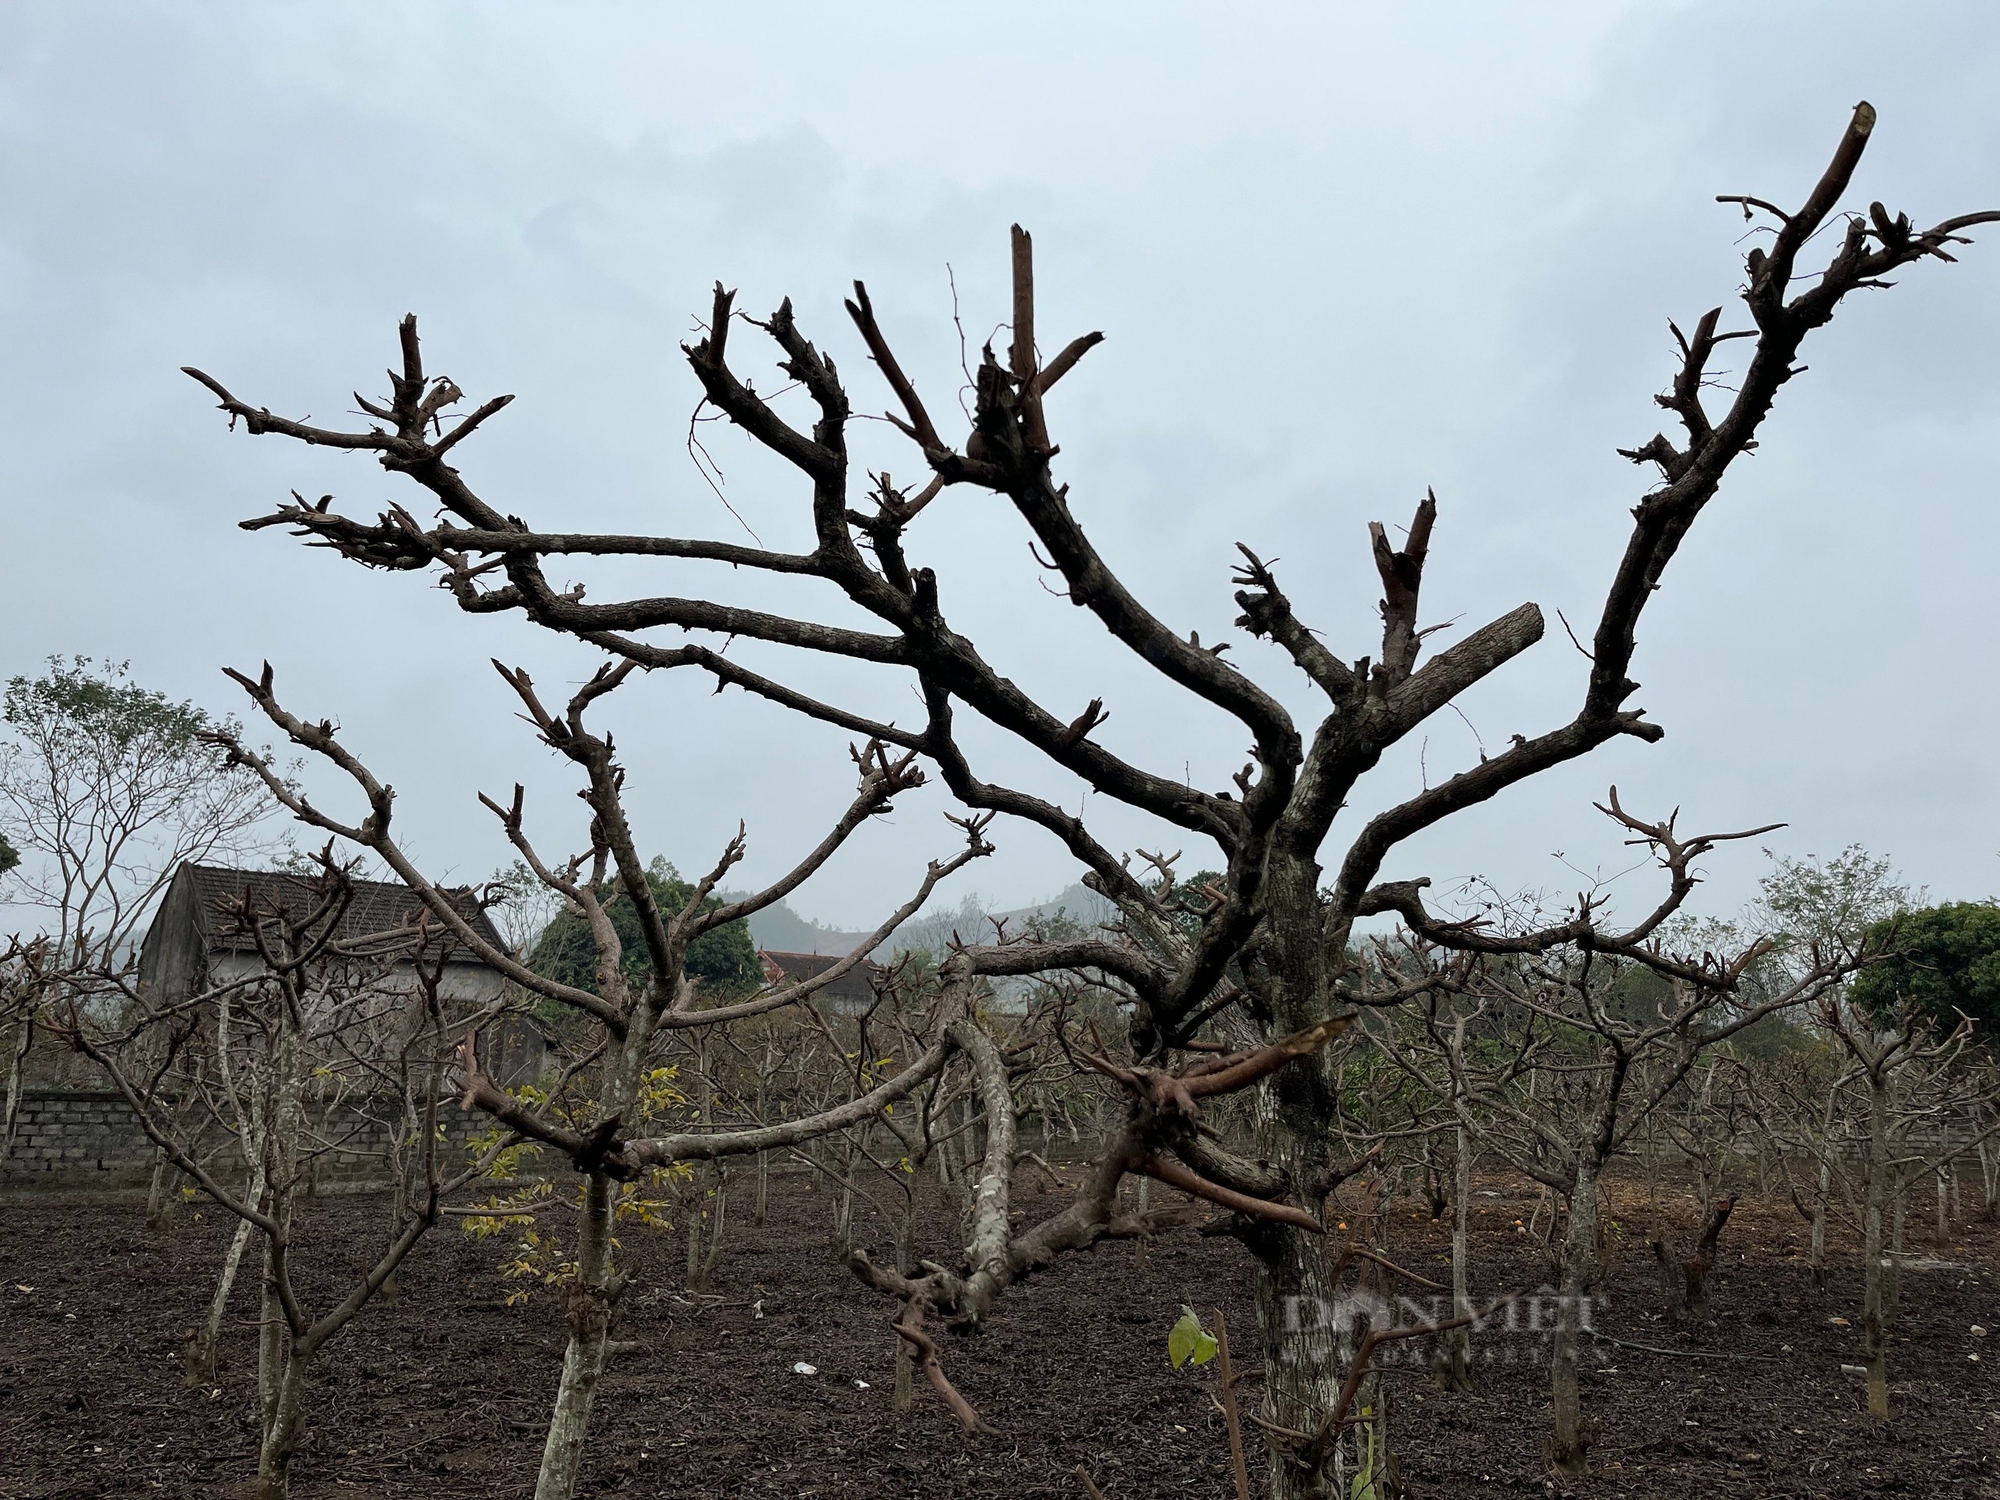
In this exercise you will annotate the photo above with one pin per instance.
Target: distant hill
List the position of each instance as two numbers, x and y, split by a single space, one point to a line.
783 930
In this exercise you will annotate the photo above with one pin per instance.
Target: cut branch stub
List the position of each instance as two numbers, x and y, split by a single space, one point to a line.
1226 1075
1402 575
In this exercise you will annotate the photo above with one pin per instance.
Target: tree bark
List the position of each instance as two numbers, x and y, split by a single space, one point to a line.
1457 1371
284 1423
1874 1332
204 1341
159 1202
1825 1192
1573 1437
591 1295
1297 1316
1892 1273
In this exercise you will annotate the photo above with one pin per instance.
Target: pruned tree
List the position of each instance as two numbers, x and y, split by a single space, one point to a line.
1554 1044
1913 1086
269 1055
1804 1102
1274 945
628 1014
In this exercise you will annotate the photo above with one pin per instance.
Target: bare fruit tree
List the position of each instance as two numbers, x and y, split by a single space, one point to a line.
1912 1082
270 1056
1555 1044
1274 946
601 1124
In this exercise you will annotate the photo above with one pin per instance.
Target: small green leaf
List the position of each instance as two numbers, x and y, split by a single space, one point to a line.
1189 1341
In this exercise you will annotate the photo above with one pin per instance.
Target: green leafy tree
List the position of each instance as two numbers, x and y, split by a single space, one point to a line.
8 858
1945 958
105 788
723 960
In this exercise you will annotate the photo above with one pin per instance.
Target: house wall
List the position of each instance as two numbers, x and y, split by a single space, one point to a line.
471 983
172 953
83 1141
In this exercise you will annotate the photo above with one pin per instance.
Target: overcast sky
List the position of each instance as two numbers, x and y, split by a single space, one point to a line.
1339 252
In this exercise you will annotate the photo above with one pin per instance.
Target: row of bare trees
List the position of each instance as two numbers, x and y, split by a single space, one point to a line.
1222 1021
1549 1060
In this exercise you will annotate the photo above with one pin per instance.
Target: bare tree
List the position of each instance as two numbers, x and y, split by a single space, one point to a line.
1587 1032
605 1133
1914 1084
105 789
1274 943
276 1081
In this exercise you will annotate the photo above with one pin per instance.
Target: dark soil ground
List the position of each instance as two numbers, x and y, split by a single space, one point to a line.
443 1394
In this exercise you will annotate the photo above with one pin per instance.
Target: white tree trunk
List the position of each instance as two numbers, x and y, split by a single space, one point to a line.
282 1428
202 1346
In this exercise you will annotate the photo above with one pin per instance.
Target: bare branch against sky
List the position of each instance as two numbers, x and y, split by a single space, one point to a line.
1340 253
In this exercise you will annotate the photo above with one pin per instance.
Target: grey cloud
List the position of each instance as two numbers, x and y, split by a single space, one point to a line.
1340 255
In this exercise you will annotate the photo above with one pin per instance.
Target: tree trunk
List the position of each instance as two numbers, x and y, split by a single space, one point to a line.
1298 1302
1818 1251
906 1263
692 1202
1297 1315
283 1426
1570 1451
718 1225
1688 1291
1702 1261
1892 1274
763 1157
591 1295
159 1199
1874 1339
399 1209
1673 1283
203 1341
1456 1374
1376 1473
19 1046
272 1330
843 1201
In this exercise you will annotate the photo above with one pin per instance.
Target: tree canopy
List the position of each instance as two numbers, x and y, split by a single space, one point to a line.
1945 958
723 960
106 787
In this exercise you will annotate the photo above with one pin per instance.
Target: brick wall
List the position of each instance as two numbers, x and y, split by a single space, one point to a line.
89 1141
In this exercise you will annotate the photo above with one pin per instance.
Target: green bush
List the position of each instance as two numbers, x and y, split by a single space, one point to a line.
723 961
1946 959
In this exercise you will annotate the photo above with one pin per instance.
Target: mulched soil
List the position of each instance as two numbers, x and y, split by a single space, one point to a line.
443 1394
